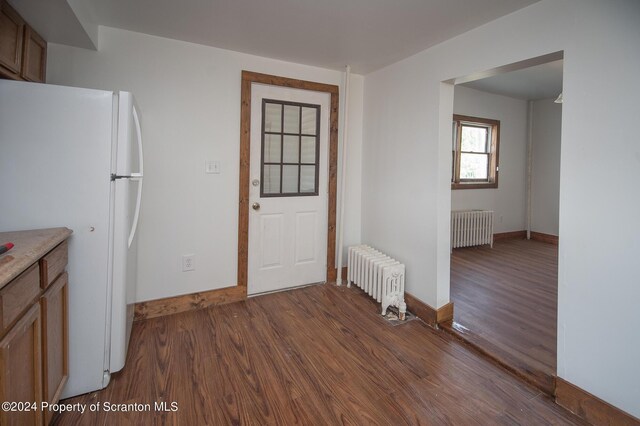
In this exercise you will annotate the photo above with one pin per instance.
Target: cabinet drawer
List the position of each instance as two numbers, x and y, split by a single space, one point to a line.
18 295
53 264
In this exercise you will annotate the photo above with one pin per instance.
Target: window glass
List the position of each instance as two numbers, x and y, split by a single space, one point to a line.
308 150
290 135
309 121
474 139
473 166
291 149
271 179
273 118
289 178
272 148
291 119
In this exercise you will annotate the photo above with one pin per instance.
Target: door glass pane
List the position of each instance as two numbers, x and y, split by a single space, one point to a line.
474 139
271 179
272 148
289 179
307 178
474 166
308 154
272 117
291 119
291 147
308 121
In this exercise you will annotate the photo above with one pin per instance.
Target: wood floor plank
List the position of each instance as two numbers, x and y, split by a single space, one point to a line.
505 302
317 355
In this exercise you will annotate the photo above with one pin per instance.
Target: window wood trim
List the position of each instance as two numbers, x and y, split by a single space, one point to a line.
494 154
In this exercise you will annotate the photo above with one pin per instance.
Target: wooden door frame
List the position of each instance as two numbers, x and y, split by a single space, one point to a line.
248 78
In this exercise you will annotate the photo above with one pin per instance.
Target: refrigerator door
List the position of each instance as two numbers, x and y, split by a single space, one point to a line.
55 160
128 193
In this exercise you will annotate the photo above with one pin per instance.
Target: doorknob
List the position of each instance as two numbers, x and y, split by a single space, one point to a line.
255 206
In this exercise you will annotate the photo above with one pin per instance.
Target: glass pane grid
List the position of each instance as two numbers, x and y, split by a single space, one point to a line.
290 149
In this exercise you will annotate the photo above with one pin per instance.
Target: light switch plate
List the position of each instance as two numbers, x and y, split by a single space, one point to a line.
212 167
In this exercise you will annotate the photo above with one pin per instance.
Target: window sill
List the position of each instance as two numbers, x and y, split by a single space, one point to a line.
474 185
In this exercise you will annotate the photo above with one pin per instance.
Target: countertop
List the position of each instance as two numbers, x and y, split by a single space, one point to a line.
29 247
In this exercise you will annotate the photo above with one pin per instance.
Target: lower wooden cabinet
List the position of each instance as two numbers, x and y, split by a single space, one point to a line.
54 341
20 371
34 340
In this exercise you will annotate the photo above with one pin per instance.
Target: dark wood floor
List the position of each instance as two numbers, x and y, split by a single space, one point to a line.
505 302
320 355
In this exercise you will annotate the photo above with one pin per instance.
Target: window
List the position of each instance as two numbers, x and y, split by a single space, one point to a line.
475 152
290 149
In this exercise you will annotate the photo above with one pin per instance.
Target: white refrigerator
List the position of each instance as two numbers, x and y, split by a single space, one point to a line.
73 157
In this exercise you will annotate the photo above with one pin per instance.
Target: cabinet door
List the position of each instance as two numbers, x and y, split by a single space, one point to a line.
34 56
11 38
20 374
55 346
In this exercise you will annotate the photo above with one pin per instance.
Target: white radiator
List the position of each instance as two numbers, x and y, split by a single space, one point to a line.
471 228
380 276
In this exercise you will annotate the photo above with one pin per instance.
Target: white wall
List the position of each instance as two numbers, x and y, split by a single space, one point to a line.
406 174
189 97
545 171
508 201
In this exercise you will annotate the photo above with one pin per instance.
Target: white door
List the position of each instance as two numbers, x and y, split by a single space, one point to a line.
288 188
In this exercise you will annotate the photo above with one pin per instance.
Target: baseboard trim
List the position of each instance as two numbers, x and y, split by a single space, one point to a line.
427 313
590 407
188 302
545 238
423 311
513 235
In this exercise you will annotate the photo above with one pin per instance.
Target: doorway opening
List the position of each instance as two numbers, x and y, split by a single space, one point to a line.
247 181
505 295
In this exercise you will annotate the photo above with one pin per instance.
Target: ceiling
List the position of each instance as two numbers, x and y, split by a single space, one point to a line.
367 34
537 82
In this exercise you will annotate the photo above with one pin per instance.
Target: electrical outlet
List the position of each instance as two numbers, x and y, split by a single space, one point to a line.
188 262
212 167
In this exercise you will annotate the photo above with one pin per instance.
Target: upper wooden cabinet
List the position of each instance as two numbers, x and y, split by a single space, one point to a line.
23 53
11 40
34 56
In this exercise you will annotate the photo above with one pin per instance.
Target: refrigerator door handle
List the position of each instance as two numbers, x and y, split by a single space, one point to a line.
138 177
136 215
136 120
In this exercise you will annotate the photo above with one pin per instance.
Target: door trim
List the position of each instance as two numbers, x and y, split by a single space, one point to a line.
248 78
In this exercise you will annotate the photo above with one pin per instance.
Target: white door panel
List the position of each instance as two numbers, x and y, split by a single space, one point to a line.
288 234
306 238
271 250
